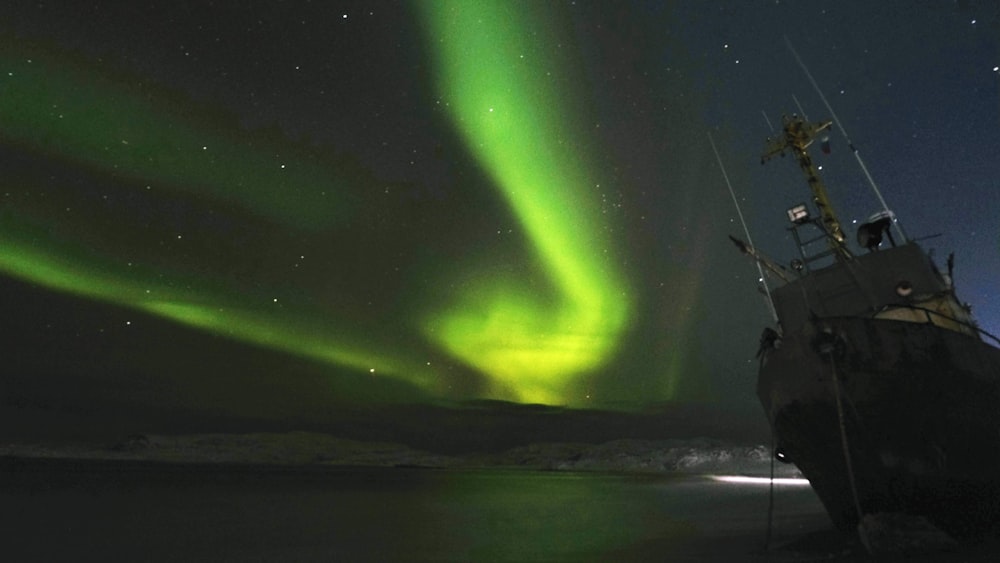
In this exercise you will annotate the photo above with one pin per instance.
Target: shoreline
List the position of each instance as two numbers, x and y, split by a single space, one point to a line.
303 449
801 529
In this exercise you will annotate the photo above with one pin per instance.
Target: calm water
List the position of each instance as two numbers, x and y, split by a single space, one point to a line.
147 513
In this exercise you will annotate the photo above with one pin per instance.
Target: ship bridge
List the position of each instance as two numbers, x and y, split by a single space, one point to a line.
899 283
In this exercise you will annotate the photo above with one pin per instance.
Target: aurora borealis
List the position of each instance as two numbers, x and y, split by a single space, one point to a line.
525 139
501 200
527 345
56 111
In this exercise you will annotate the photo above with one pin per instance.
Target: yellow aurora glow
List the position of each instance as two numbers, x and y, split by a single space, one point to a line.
496 75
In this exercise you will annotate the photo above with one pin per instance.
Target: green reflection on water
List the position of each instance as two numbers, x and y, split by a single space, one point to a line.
501 515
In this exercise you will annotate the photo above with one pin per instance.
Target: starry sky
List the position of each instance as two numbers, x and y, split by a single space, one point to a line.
280 208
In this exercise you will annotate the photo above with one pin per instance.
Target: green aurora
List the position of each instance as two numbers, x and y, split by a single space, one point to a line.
508 94
77 116
492 60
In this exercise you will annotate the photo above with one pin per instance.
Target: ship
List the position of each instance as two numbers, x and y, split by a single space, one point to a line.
875 378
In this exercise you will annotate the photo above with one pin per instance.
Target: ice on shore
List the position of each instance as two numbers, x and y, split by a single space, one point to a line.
698 455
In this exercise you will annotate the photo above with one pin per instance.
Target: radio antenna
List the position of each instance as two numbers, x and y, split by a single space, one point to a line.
802 112
766 120
847 139
746 231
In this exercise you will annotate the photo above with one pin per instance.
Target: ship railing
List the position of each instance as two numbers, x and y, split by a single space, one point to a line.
931 314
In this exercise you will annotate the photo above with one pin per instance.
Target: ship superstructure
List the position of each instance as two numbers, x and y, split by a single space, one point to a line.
877 382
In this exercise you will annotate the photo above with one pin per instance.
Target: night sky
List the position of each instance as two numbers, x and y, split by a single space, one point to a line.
276 209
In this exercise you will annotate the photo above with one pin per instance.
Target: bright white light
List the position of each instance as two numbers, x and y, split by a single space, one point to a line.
744 480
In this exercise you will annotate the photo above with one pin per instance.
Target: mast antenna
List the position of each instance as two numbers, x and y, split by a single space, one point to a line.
840 126
796 136
746 231
768 121
802 112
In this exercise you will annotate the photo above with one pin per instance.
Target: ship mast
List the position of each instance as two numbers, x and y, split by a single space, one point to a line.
797 135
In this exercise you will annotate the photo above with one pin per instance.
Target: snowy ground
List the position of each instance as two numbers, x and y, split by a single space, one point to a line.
699 455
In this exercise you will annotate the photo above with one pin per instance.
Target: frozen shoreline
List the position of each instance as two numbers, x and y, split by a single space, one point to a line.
642 500
99 509
690 456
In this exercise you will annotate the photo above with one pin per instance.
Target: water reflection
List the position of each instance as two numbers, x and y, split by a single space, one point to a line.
390 515
514 516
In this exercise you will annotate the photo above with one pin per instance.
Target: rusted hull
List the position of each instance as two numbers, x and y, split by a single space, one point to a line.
914 408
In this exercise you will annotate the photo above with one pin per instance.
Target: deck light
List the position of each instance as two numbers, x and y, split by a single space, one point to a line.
798 214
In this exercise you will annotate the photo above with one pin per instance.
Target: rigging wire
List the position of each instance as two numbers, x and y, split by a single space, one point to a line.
770 488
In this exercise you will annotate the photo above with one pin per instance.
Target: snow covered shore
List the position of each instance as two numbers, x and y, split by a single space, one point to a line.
698 455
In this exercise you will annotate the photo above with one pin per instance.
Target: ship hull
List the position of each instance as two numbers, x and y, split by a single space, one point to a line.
890 416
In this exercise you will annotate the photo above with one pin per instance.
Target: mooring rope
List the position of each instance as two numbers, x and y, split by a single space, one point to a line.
770 492
843 435
770 498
